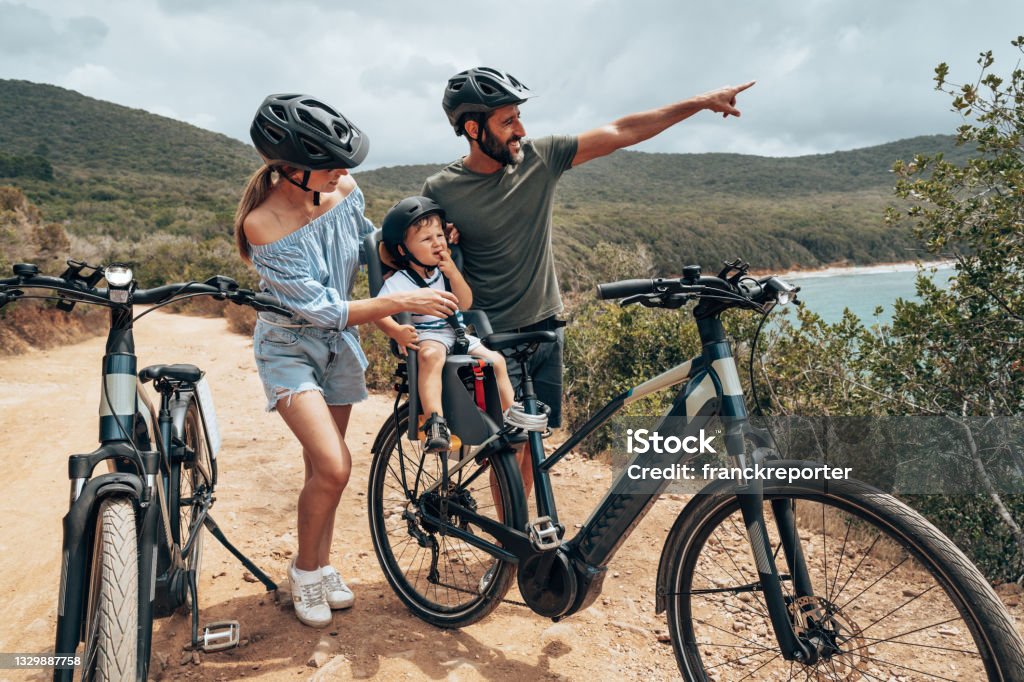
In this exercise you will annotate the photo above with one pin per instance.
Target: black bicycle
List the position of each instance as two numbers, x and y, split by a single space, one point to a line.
793 577
133 536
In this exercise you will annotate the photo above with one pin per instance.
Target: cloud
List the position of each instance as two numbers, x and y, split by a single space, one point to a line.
828 73
91 78
26 31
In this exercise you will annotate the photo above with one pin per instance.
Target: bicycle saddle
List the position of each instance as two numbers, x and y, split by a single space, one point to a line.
511 340
189 373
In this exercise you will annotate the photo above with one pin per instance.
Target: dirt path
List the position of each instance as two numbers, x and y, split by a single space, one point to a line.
48 409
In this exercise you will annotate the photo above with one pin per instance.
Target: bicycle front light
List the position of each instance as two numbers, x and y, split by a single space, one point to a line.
118 276
784 291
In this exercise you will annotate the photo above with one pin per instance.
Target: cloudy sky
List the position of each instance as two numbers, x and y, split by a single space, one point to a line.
831 74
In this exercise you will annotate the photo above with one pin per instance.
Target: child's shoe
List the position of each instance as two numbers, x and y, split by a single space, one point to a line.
438 437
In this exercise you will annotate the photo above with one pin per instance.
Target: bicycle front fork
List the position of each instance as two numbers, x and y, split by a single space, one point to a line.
751 499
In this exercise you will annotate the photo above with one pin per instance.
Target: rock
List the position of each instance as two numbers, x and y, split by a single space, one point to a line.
196 658
629 626
186 658
663 636
558 632
249 577
337 668
321 654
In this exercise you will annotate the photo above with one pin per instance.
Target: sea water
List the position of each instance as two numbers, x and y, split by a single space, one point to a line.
862 289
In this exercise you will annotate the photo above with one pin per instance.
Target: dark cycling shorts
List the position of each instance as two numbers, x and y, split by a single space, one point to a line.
545 367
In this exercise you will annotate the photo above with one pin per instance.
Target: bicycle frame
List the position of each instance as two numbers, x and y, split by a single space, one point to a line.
712 390
136 478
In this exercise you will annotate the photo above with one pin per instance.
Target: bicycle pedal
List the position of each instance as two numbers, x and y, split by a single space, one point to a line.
543 534
224 634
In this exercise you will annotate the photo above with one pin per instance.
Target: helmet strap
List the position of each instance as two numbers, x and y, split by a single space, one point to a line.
409 258
304 185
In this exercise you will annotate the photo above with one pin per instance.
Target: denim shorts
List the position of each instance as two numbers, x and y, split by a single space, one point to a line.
292 360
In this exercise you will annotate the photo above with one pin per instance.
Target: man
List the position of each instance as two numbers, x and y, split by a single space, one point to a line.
500 196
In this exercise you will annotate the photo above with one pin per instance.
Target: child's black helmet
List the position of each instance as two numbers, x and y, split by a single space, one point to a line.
400 217
304 132
480 89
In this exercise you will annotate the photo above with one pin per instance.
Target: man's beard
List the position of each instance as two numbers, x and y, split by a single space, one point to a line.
499 152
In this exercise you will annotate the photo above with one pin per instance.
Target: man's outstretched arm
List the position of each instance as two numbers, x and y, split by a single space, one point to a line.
630 130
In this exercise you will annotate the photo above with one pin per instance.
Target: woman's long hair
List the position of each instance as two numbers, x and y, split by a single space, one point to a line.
256 192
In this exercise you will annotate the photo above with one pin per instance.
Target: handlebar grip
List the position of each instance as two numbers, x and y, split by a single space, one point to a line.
270 304
624 288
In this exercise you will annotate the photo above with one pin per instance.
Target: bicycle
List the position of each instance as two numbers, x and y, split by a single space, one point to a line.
758 579
133 537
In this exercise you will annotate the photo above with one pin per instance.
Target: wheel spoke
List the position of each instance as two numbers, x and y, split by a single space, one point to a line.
855 564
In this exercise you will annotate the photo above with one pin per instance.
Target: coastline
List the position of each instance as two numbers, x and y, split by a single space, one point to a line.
876 269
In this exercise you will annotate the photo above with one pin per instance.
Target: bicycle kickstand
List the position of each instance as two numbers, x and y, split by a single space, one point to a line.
216 532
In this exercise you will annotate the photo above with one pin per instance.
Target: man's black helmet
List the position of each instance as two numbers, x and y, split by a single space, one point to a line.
400 217
303 132
481 89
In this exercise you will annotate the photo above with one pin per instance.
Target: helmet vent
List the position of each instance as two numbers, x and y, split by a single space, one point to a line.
341 131
308 118
487 86
273 132
316 104
278 111
314 150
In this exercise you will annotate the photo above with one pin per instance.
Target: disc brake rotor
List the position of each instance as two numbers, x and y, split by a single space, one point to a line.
841 646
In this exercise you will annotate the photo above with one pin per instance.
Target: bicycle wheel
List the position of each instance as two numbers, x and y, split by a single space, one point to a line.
111 641
195 480
893 597
441 578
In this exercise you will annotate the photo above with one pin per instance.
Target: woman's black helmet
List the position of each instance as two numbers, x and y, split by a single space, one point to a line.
303 132
400 217
480 89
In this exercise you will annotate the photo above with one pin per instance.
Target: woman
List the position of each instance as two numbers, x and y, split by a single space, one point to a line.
301 223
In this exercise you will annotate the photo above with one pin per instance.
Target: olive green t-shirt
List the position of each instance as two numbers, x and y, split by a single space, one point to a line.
504 223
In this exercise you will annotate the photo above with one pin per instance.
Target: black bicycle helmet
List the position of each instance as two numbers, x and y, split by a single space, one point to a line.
303 132
399 218
481 89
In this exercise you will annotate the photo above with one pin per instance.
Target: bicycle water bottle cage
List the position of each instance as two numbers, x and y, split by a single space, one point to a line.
543 534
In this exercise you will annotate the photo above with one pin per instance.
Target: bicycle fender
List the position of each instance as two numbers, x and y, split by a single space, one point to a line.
178 408
670 549
74 553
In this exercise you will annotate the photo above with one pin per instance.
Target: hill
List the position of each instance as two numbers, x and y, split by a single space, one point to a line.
113 173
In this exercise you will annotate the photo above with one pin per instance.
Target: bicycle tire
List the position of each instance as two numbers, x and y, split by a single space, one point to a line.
456 594
111 643
960 631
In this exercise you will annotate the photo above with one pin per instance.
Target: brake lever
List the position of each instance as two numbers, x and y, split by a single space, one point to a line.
637 298
226 285
10 296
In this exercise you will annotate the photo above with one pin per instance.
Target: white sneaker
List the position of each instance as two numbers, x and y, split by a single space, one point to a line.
339 596
308 598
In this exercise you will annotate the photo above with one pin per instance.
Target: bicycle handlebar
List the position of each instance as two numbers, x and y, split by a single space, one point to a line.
226 288
741 291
